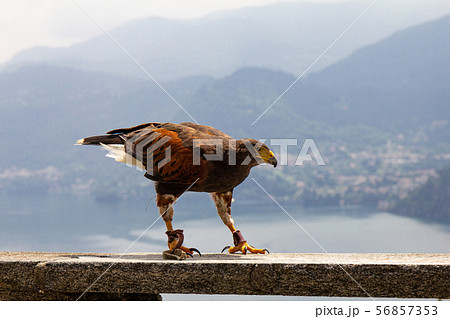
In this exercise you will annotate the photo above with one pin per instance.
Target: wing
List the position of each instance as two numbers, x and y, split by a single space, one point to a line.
206 130
134 128
165 150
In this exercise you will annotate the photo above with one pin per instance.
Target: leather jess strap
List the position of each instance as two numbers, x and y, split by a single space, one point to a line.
238 238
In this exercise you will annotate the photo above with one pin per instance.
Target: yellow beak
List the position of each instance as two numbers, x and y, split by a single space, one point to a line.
270 158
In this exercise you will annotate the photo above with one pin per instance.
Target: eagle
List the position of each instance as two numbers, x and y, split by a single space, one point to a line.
188 157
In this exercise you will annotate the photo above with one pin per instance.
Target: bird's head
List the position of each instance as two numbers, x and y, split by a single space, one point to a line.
259 152
267 155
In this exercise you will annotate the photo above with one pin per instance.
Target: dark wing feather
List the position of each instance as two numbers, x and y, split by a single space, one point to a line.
206 129
166 153
134 128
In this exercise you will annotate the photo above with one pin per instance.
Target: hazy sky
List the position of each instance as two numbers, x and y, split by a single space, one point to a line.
28 23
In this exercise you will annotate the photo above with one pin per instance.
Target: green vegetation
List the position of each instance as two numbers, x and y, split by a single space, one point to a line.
430 200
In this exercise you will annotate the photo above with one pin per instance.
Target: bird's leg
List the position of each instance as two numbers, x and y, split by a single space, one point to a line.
223 204
175 237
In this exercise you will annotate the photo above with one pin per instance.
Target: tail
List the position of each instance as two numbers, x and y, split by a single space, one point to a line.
114 144
101 139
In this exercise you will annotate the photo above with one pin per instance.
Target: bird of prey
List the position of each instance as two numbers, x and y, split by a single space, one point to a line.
188 157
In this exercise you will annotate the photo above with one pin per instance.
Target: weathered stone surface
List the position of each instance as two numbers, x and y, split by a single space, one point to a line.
142 276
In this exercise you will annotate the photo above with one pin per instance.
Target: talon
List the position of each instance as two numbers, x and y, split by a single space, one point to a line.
190 251
268 252
224 248
175 238
175 241
195 250
240 244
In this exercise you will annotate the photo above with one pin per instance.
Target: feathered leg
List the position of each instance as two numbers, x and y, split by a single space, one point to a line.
223 204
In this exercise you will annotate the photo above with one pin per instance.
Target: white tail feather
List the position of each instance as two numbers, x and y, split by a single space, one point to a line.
117 152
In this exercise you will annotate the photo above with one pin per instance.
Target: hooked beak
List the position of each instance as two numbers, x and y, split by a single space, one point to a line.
267 156
272 161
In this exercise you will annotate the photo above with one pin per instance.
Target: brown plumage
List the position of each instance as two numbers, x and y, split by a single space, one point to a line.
187 157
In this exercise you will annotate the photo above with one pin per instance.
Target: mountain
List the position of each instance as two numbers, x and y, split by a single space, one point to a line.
44 109
372 154
399 82
283 36
429 201
398 85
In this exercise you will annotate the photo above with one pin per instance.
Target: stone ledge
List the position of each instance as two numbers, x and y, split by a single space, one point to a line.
143 276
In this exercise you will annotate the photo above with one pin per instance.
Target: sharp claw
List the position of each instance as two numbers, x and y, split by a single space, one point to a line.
190 255
224 248
245 249
196 250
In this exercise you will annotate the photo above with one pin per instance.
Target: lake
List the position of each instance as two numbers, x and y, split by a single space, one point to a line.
78 224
